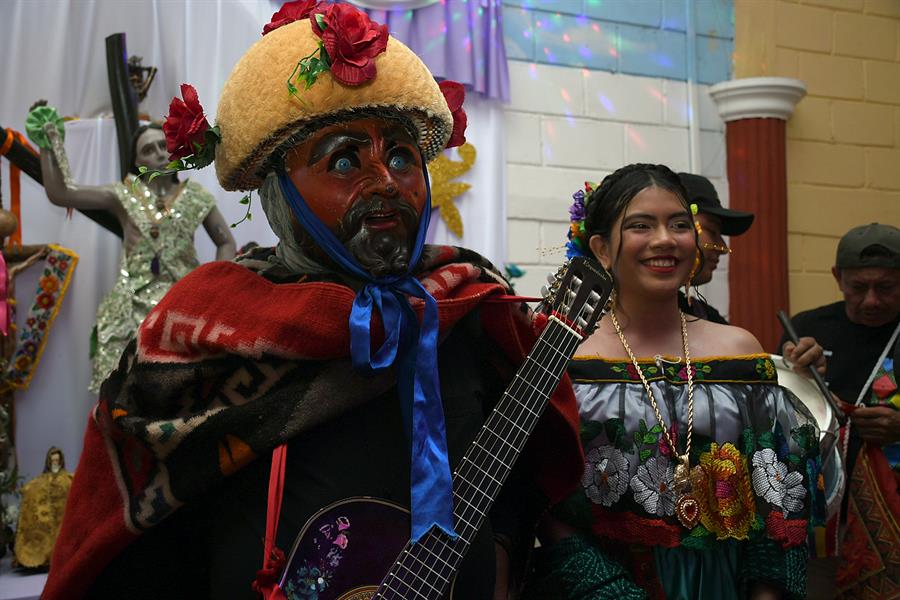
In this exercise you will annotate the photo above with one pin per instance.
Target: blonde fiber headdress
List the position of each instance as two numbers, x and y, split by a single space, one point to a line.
257 114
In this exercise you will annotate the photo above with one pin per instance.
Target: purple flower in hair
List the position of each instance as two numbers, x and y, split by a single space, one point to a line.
576 211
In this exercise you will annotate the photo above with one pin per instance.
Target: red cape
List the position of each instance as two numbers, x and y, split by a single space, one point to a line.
222 308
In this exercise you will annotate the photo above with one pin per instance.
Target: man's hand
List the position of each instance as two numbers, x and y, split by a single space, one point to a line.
803 354
763 591
501 580
878 425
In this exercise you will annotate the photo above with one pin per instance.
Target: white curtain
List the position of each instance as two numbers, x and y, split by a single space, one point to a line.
483 206
54 409
55 50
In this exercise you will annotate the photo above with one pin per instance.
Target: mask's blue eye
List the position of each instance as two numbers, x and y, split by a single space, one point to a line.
343 165
398 162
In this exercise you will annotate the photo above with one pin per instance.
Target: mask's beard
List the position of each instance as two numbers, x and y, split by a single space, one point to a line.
380 252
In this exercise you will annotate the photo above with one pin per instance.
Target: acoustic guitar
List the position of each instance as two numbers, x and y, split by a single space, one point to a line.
347 548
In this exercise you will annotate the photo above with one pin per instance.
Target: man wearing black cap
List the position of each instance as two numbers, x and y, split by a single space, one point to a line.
861 332
713 222
858 329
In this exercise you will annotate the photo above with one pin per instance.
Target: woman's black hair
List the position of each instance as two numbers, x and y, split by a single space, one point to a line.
616 191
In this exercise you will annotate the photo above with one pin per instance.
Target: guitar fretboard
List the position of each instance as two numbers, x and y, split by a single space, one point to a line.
424 569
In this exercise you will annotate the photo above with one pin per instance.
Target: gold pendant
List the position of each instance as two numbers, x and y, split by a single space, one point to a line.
687 509
683 470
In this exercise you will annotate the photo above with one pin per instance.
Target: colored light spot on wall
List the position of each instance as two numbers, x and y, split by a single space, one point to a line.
635 137
585 52
656 94
585 73
539 24
532 71
613 53
662 60
581 21
548 152
606 103
566 38
526 33
596 27
408 15
565 95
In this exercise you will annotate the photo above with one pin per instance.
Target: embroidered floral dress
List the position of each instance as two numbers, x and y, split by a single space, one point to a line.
757 446
163 253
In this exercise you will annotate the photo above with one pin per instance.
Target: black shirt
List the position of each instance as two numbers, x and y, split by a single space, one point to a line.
700 309
854 347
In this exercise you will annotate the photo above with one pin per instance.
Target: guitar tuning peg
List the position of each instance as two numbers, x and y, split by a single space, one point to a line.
545 291
551 278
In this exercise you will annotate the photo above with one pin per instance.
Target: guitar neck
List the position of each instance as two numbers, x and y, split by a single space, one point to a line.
424 569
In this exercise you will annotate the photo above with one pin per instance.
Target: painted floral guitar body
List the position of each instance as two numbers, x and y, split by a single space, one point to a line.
344 550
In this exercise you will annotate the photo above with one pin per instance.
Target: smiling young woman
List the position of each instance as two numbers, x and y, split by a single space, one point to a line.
698 466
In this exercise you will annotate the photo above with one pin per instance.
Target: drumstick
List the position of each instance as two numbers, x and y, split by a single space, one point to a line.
817 377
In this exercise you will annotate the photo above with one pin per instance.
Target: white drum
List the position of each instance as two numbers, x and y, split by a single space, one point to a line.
806 390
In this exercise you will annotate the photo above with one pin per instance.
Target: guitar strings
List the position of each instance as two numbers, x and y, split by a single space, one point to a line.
435 546
439 544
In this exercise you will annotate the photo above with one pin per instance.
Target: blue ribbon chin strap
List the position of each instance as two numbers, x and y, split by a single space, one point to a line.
414 349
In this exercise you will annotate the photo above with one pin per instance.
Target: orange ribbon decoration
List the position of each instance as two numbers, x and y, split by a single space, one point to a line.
15 189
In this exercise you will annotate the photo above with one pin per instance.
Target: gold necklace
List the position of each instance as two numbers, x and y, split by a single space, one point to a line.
687 509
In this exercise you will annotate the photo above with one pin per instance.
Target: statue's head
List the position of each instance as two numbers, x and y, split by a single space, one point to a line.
148 148
8 224
54 461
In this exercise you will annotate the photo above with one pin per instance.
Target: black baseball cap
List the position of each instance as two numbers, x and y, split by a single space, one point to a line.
702 193
872 245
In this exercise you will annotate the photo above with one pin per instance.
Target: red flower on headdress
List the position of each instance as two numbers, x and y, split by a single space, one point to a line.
455 94
296 10
352 42
185 125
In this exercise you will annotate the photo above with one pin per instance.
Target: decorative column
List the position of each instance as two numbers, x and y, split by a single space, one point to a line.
755 111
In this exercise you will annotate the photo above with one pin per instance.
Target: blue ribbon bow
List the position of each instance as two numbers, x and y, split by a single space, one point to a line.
414 349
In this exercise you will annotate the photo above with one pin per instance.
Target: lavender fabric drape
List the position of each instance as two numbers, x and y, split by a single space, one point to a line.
458 40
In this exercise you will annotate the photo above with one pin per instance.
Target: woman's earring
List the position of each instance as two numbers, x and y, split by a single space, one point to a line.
690 278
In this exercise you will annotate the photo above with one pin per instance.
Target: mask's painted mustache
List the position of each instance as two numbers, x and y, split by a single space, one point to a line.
351 224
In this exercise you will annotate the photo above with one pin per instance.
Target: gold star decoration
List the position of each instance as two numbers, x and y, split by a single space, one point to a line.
442 172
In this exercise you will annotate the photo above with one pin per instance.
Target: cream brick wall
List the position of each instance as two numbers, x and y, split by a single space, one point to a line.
843 142
566 125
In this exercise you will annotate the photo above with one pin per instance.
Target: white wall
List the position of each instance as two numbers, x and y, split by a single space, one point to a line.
566 125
